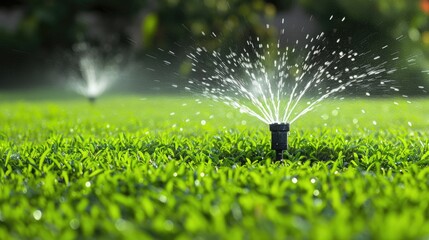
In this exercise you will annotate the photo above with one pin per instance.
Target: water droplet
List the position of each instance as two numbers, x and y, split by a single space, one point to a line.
294 180
175 174
243 122
203 122
313 180
37 214
410 124
316 193
374 122
355 121
368 94
197 182
202 174
74 223
88 184
325 116
121 224
162 198
172 113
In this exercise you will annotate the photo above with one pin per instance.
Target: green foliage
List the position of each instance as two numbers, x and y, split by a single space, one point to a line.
225 18
169 167
47 24
149 27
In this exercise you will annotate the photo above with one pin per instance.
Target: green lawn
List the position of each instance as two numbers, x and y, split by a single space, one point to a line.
168 167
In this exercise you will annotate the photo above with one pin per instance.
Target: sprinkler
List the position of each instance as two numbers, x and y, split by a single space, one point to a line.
279 138
92 99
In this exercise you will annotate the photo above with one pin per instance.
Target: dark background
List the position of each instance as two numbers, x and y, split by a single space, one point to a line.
38 37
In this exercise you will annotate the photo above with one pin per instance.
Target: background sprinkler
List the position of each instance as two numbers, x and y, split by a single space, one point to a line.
94 72
92 99
279 138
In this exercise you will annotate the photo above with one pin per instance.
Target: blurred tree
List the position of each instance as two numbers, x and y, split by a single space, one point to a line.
198 19
47 25
214 24
401 23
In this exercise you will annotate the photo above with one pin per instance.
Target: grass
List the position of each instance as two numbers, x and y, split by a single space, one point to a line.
168 167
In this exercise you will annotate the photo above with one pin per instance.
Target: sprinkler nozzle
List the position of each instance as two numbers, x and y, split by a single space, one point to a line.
279 138
92 99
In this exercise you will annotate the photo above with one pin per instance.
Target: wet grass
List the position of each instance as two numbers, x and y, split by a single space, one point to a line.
170 167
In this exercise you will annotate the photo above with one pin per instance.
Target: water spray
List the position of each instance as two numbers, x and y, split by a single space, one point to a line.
279 133
95 72
278 85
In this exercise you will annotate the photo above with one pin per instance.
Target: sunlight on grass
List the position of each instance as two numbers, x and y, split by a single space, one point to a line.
174 167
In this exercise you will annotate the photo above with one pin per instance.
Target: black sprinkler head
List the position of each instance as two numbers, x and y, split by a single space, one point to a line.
92 99
279 138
